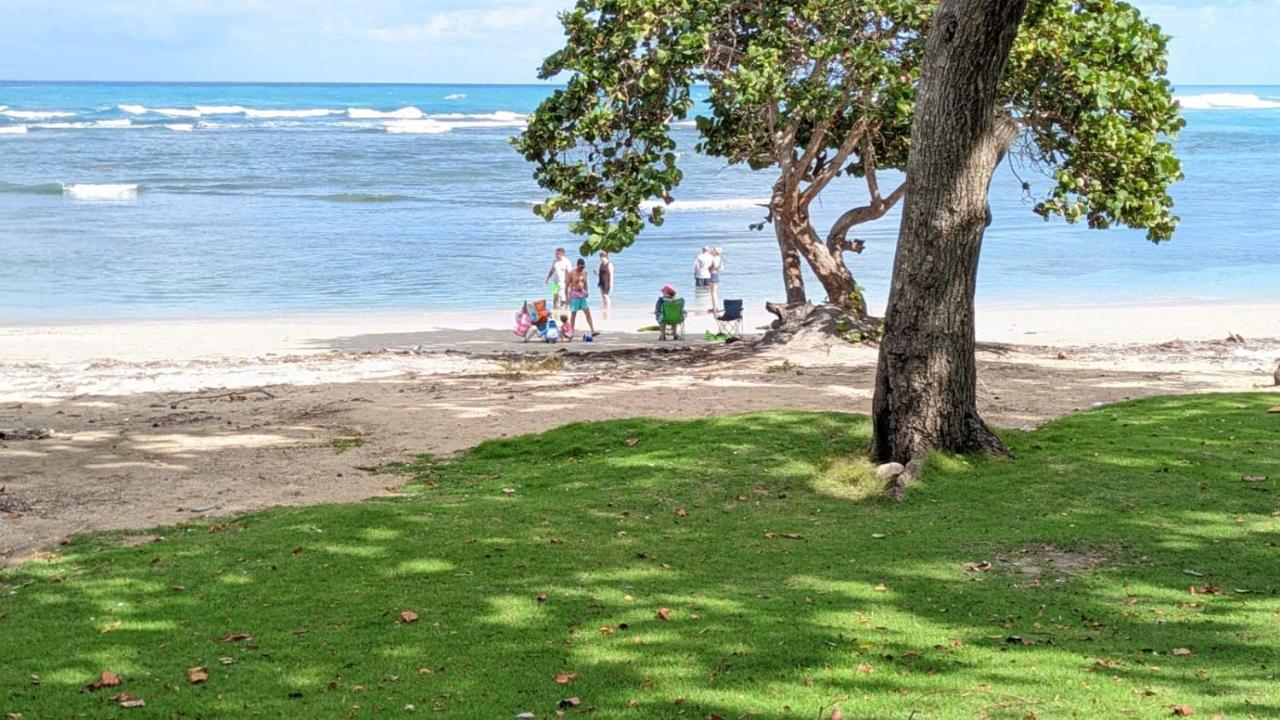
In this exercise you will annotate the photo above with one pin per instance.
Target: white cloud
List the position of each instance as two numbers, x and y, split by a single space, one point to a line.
1221 43
469 23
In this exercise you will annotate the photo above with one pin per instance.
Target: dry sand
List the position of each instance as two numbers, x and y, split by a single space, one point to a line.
147 430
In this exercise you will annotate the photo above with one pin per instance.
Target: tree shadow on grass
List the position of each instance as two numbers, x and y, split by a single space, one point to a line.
691 569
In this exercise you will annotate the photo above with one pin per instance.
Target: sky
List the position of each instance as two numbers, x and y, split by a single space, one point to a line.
447 41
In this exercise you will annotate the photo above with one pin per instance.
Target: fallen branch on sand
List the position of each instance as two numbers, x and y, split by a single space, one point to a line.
234 395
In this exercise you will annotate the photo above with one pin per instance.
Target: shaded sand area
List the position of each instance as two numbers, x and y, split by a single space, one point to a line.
154 423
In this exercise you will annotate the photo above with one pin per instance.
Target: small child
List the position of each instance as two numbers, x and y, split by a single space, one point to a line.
566 330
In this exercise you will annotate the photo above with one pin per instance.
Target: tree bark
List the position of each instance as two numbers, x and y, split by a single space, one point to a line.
926 395
792 278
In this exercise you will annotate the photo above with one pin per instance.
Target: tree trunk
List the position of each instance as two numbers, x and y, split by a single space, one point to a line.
926 381
792 278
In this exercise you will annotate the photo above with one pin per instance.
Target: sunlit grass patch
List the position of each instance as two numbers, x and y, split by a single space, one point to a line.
742 566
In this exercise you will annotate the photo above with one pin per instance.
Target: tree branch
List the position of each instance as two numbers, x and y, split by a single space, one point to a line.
836 238
834 167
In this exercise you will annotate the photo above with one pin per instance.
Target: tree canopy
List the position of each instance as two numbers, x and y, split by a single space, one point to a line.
820 89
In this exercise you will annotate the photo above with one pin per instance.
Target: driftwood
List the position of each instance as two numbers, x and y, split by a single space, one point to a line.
233 395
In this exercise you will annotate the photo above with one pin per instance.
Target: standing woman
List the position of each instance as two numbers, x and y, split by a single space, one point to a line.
717 264
578 296
605 281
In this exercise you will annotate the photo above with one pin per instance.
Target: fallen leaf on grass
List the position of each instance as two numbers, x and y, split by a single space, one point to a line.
508 491
1275 409
878 536
197 675
566 678
631 442
1254 478
681 512
664 613
607 630
105 679
570 702
227 660
408 616
836 714
1182 651
881 587
542 597
235 637
981 566
1206 589
125 700
865 668
785 536
1193 573
1183 710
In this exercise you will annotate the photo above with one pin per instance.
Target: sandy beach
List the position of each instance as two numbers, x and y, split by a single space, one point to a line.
156 422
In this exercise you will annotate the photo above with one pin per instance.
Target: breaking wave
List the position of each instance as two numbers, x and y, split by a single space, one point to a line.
13 129
366 198
37 114
405 113
417 127
456 96
204 110
180 127
101 191
1226 101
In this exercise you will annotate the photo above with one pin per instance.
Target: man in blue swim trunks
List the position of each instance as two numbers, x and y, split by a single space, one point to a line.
577 282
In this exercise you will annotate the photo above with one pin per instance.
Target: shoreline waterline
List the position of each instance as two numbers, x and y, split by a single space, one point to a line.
179 339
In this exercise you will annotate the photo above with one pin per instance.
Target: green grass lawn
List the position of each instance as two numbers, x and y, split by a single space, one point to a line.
734 567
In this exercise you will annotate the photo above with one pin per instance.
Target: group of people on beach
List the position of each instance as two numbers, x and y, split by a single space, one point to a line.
569 283
569 288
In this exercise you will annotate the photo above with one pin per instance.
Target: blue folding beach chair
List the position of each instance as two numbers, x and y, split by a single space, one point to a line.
729 321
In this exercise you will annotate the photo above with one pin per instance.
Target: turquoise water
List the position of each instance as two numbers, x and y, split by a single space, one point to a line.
122 200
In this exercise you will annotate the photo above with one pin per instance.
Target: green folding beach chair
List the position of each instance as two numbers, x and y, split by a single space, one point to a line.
672 318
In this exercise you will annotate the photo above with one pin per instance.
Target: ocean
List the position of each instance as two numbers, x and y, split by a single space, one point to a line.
161 200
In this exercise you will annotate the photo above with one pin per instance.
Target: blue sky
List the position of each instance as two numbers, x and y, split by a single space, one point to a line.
445 40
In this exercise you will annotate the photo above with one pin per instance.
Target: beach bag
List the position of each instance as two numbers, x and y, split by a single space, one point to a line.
523 322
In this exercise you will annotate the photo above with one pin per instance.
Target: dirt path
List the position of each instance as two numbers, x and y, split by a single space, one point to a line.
146 459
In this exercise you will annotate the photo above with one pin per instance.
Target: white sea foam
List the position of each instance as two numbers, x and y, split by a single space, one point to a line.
13 129
313 112
221 109
133 109
1226 101
36 114
417 127
101 191
4 107
456 96
97 124
404 113
178 112
181 127
721 205
500 117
